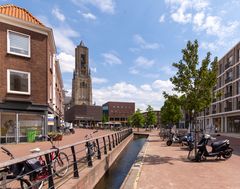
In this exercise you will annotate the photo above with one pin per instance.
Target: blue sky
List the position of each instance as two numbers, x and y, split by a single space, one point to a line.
132 44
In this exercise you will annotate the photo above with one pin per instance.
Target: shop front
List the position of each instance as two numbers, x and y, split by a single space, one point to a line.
233 124
21 126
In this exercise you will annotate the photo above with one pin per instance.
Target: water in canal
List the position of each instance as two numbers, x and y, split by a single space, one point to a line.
115 176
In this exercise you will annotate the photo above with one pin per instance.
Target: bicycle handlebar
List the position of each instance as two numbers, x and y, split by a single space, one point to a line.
5 150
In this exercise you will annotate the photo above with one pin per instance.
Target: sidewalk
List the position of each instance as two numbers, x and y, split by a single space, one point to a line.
23 149
166 167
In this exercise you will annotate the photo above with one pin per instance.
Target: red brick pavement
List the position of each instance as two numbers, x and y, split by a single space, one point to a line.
23 149
168 168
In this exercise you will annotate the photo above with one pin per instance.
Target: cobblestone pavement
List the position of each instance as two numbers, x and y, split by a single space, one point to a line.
23 149
168 168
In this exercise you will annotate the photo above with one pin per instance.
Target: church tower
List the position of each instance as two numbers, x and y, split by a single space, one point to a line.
81 82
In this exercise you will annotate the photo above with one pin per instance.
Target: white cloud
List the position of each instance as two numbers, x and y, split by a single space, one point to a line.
198 19
89 16
162 18
97 80
144 62
67 62
111 59
93 69
143 44
146 87
133 70
106 6
146 94
198 13
168 70
56 12
63 39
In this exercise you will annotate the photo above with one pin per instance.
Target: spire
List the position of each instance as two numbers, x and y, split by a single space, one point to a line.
82 44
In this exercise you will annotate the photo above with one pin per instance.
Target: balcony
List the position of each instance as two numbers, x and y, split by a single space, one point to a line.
227 65
214 111
238 105
227 109
228 94
214 100
228 80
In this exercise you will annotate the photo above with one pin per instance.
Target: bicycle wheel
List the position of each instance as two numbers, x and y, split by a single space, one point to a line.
12 182
61 164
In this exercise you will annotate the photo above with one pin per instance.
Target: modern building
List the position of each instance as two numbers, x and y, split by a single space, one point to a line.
30 77
118 111
81 82
224 112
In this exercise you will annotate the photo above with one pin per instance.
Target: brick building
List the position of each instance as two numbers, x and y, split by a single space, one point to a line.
30 77
224 112
118 111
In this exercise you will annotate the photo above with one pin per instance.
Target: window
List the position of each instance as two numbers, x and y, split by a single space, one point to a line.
18 82
18 43
51 62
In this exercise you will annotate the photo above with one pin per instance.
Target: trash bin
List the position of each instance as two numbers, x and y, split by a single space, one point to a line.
31 135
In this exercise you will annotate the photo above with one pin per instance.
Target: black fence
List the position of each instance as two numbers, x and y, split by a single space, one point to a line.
52 168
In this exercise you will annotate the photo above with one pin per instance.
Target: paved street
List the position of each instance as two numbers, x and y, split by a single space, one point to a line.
168 167
22 149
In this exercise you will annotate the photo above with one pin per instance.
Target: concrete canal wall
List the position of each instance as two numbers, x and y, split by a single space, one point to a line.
90 176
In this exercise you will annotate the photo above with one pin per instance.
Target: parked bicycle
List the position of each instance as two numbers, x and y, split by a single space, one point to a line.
13 176
59 164
91 146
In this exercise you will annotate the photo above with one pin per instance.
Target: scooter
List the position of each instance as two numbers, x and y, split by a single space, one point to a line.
173 139
188 140
219 149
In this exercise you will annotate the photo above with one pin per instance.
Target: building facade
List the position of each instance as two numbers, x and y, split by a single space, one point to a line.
118 111
224 112
81 83
30 77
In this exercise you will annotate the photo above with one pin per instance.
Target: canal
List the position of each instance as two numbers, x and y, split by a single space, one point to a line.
115 176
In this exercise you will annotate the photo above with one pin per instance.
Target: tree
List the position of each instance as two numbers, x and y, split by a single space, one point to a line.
195 82
137 119
151 118
104 118
171 110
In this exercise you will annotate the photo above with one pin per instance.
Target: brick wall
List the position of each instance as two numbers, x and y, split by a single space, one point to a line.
36 65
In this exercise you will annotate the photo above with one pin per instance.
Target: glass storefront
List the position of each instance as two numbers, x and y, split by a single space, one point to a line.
233 124
15 127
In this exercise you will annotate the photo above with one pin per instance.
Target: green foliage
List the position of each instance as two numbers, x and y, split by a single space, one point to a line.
195 82
137 119
105 118
171 111
151 118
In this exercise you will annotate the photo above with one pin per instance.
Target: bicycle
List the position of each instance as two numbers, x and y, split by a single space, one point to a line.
58 160
91 146
12 176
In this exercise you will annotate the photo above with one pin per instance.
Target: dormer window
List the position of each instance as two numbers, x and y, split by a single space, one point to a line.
18 43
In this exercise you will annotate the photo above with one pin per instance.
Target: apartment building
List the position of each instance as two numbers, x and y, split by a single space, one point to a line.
224 112
30 77
118 111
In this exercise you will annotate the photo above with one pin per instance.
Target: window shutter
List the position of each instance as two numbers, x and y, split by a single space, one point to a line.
19 43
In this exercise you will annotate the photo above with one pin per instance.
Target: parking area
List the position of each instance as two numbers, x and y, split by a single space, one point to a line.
167 167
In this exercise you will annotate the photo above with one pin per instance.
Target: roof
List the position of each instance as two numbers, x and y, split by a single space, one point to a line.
19 13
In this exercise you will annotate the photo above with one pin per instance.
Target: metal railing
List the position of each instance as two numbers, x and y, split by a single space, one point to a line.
79 156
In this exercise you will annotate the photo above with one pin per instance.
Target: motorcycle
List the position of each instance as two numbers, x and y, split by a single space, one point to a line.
188 140
219 149
173 139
